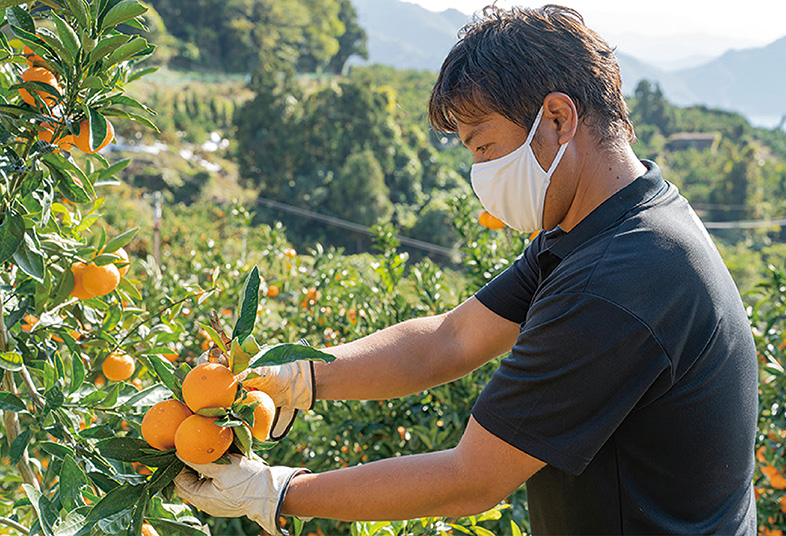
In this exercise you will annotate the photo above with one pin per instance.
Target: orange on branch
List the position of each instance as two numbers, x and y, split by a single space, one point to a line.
209 385
486 219
33 59
200 440
162 421
100 280
28 322
78 269
65 142
39 74
263 414
272 291
118 366
83 139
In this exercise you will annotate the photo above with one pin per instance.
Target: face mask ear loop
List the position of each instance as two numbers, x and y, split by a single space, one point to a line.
534 127
557 158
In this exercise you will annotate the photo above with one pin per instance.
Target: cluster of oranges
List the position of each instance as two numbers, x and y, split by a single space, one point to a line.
91 280
190 426
38 71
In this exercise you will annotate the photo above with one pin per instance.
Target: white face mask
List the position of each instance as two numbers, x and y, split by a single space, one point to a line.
513 187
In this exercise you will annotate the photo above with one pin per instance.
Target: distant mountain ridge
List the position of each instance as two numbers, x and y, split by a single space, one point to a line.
749 81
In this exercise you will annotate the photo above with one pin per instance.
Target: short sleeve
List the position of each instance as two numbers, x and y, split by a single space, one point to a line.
579 367
510 293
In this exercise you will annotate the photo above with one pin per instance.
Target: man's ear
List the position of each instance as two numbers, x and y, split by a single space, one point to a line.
560 110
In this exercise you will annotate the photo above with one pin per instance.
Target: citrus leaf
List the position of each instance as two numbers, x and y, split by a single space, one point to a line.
77 372
98 128
29 258
243 439
248 306
106 46
163 370
125 52
116 501
260 447
67 36
12 232
163 476
72 477
120 240
122 12
117 167
214 336
289 352
80 10
19 17
18 447
48 515
133 449
11 402
4 4
212 412
167 527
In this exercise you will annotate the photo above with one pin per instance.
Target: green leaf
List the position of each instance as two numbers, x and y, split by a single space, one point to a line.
52 40
47 514
132 449
121 498
56 449
74 191
216 338
167 527
106 46
129 101
111 398
212 412
10 3
122 12
11 361
67 36
72 478
73 523
64 287
11 402
120 240
81 12
12 233
163 370
77 373
142 72
289 352
18 447
98 128
117 167
243 439
19 17
163 476
29 259
248 307
125 52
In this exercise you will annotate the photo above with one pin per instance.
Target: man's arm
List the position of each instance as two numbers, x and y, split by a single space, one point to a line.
415 355
466 480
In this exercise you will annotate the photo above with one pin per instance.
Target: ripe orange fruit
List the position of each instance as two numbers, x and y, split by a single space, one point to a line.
65 142
118 366
83 139
78 269
200 440
263 414
171 356
161 422
486 219
28 322
148 530
39 74
123 255
100 280
33 59
272 291
209 385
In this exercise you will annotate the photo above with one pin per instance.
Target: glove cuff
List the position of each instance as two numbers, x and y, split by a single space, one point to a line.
281 496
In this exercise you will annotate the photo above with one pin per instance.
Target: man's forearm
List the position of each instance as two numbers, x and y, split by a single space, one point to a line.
422 485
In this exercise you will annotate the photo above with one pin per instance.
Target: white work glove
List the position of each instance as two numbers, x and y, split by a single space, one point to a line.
291 386
244 487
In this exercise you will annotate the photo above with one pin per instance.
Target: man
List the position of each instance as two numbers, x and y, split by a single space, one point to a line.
628 402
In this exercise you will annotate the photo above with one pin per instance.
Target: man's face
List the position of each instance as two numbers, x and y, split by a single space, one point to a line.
491 136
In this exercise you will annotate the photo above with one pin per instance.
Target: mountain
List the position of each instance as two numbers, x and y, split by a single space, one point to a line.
407 36
748 81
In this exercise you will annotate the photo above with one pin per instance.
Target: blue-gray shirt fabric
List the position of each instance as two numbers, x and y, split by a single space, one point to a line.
634 375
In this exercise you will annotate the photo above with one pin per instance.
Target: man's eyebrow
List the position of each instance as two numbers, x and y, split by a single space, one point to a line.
472 133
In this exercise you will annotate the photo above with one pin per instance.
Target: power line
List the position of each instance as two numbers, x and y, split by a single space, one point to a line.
358 228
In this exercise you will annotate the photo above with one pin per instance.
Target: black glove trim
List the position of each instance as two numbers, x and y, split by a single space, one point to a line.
287 429
281 500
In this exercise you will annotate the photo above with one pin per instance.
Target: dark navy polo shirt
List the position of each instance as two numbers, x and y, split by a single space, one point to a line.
634 375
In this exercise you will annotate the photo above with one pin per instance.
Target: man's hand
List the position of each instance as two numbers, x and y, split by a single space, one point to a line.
244 487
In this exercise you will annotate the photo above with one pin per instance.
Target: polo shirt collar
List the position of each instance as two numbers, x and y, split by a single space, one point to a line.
558 244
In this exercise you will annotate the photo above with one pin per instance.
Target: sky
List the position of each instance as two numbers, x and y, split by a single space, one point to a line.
664 30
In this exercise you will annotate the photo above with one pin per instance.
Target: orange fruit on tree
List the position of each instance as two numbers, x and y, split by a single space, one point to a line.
78 269
209 385
200 440
486 219
148 529
263 414
161 422
170 356
118 366
100 280
32 58
272 291
83 139
65 142
28 322
39 74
